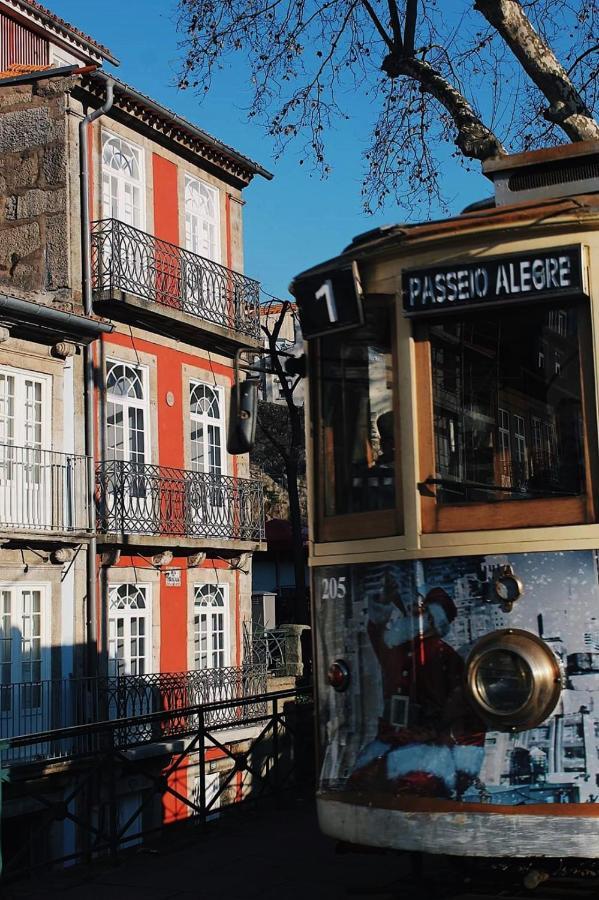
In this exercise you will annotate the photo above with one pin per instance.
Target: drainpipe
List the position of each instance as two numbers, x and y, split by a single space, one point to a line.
91 609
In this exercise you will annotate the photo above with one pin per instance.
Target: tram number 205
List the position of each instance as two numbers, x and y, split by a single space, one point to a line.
333 588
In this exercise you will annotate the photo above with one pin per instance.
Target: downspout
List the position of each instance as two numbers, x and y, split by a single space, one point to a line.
91 607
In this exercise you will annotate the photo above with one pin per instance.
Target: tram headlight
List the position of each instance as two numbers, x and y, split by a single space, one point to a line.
514 679
338 675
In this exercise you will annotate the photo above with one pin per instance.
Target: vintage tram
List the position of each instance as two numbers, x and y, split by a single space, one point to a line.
454 545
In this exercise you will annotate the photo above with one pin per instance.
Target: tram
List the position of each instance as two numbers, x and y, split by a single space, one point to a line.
454 534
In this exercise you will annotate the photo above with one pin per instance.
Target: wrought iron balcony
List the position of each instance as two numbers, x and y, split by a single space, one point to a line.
133 498
34 707
41 490
127 260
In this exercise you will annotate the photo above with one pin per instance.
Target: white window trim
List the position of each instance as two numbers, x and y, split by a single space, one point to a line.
46 382
219 390
226 620
140 404
193 178
149 634
45 590
106 132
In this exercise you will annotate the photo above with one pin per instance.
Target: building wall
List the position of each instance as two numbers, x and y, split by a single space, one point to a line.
34 244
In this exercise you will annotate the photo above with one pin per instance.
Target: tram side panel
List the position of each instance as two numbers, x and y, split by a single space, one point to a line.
404 735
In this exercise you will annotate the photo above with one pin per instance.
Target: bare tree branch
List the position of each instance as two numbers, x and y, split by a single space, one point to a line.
410 27
473 73
567 109
474 139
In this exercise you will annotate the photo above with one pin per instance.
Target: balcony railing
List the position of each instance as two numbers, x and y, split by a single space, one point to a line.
41 490
133 498
35 707
125 259
266 647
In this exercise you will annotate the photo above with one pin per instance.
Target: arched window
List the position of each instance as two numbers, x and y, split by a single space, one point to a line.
202 219
207 428
210 626
122 180
129 633
125 412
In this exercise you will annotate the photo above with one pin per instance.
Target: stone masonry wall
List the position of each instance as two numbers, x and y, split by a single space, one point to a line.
34 243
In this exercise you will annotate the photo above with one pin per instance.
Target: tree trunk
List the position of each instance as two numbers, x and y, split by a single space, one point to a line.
567 108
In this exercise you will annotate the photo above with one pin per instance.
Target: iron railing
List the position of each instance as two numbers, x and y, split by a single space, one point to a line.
113 800
266 647
125 259
42 490
128 701
133 498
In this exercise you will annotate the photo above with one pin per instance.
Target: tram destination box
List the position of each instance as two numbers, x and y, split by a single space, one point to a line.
330 301
515 278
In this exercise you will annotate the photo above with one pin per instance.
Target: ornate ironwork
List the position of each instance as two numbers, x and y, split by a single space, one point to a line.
125 259
41 490
133 498
35 707
266 647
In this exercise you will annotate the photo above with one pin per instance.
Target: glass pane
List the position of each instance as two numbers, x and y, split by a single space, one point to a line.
504 681
507 419
357 417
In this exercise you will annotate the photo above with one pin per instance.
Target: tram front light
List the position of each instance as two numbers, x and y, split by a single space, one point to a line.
514 679
338 675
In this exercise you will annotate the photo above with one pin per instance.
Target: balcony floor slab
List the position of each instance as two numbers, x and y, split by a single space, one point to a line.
172 322
187 545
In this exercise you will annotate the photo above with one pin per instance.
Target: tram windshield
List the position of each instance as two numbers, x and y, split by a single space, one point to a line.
507 405
357 416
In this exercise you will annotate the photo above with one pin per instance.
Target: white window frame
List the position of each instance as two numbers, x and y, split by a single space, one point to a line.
223 589
126 402
122 179
127 614
17 709
206 421
20 375
189 243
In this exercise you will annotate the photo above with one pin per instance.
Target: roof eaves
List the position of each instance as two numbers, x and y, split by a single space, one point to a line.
136 97
39 73
46 17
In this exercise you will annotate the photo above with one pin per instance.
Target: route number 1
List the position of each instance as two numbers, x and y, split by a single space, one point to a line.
325 292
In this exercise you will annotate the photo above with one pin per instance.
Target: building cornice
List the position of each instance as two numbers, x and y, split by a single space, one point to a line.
174 129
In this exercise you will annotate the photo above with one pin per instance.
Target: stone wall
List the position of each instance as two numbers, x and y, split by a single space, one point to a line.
34 243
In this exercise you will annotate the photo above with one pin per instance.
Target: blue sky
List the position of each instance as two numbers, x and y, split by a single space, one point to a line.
293 221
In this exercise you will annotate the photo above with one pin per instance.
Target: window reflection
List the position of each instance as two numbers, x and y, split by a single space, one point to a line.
358 446
508 405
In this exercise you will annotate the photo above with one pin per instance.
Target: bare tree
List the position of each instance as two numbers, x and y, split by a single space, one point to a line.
483 74
289 444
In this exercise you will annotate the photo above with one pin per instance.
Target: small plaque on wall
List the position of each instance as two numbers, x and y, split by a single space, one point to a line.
173 577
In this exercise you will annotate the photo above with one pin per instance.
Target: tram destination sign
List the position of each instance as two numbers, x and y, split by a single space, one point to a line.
329 302
518 277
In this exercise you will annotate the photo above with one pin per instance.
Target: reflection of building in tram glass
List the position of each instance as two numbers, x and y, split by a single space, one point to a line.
507 405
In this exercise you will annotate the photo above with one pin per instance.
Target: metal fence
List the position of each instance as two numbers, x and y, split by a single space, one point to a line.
48 707
125 259
134 498
266 647
112 798
42 490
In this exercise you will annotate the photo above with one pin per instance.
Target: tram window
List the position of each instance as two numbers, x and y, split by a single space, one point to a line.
508 418
357 440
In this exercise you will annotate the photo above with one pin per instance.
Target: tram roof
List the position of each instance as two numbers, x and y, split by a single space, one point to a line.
380 240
